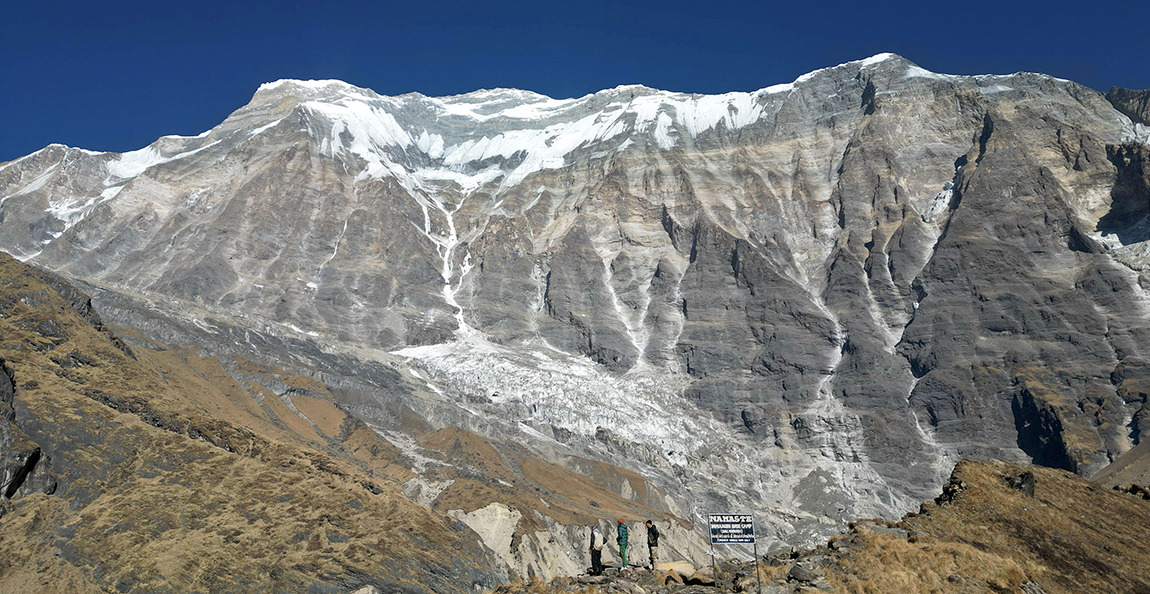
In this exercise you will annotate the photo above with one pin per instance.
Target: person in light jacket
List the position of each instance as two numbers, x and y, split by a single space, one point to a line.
596 546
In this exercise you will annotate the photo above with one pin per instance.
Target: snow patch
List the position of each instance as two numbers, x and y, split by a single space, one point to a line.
871 61
74 210
485 105
179 137
298 330
40 181
939 203
370 127
916 72
134 163
313 85
264 128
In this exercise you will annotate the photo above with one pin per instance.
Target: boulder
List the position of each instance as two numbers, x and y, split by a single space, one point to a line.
1133 489
626 587
683 569
702 577
1024 482
746 583
804 572
666 578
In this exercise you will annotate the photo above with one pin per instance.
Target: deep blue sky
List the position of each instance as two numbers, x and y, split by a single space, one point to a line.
115 76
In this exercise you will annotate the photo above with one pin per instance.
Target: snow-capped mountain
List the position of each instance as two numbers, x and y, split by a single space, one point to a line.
807 300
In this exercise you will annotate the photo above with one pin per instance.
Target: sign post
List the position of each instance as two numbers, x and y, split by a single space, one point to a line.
734 529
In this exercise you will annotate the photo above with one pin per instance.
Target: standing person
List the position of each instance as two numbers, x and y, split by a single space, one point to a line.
597 543
622 540
653 543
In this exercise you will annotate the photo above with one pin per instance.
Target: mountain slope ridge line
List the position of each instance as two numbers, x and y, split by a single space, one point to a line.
749 297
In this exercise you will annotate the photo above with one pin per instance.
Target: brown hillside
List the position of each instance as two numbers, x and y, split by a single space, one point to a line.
1131 468
486 470
164 475
1070 536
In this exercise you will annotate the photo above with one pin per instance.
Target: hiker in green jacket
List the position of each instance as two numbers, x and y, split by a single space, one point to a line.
622 540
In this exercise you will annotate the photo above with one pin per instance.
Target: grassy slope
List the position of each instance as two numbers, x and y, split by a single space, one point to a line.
1071 536
484 471
172 478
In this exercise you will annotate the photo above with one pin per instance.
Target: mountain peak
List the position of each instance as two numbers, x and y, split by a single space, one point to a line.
306 84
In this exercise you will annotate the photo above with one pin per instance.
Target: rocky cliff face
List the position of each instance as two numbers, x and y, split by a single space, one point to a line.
806 300
1135 104
25 468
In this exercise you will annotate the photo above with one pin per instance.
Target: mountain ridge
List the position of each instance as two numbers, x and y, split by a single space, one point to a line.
845 286
316 84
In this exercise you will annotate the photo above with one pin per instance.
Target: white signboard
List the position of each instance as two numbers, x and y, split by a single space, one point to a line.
732 529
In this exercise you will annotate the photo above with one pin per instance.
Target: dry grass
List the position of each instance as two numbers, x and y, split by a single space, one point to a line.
485 471
175 477
891 564
1072 536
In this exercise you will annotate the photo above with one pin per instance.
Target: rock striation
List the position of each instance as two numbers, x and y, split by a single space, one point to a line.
1135 104
806 300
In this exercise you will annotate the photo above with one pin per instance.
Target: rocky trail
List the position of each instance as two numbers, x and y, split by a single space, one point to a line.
996 527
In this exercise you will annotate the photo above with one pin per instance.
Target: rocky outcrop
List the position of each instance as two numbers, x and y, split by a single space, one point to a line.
1135 104
24 467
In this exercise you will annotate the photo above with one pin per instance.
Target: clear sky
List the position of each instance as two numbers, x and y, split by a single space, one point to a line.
114 76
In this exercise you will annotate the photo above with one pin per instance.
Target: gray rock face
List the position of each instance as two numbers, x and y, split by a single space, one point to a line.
24 468
1135 104
806 300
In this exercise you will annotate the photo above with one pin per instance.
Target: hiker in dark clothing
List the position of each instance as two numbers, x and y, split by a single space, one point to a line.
622 540
653 543
597 543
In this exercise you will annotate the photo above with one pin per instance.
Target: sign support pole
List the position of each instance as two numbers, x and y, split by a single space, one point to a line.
758 577
733 529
